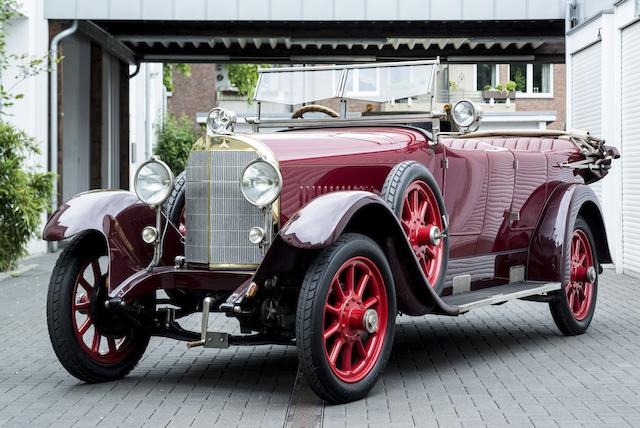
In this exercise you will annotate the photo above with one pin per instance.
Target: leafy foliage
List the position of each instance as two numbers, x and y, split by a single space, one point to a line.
507 87
24 195
520 80
25 65
244 77
175 140
167 73
24 192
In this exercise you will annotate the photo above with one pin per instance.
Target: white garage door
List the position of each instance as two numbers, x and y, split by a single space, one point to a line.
631 149
586 94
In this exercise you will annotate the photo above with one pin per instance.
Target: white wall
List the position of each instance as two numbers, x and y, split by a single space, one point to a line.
146 112
607 28
29 34
307 10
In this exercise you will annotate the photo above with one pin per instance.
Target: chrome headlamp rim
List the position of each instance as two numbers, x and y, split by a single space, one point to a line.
474 118
154 159
278 175
228 122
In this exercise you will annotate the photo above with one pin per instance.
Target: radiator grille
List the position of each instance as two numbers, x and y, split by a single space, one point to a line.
218 217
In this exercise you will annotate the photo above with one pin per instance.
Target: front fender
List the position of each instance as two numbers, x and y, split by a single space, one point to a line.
321 222
549 258
119 216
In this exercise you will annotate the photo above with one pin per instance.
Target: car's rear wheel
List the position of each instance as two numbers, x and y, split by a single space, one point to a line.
573 309
93 344
414 196
345 319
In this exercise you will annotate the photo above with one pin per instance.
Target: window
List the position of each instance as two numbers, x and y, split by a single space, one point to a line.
362 81
533 80
486 75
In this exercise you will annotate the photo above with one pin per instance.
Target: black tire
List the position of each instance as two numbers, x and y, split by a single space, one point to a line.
174 210
175 202
393 192
310 319
76 360
560 309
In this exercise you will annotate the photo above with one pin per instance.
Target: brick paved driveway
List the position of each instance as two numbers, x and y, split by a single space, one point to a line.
497 366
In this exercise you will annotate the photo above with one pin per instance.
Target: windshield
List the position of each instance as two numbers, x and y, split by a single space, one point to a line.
378 82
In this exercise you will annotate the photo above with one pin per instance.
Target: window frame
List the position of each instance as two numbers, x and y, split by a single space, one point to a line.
475 76
529 93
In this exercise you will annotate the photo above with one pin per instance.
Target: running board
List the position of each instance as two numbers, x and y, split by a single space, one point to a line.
500 294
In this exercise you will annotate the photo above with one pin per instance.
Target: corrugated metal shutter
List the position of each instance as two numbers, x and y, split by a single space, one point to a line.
631 149
586 94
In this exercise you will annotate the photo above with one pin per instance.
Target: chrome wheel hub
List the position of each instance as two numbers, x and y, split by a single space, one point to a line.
370 321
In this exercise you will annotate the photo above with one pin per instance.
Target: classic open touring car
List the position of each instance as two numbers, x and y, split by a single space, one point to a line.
319 232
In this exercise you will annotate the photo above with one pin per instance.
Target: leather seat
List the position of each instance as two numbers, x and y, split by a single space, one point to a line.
526 144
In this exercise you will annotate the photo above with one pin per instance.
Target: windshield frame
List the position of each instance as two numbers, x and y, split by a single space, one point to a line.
341 90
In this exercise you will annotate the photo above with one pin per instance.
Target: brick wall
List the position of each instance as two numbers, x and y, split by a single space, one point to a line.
557 103
193 94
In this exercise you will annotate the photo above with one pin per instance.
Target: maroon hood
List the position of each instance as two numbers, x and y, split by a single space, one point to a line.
337 142
318 161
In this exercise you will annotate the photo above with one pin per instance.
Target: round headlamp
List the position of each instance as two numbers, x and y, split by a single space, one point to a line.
465 113
153 182
221 121
261 183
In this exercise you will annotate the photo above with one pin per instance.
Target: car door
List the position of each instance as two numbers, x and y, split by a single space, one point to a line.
501 178
466 181
479 182
530 193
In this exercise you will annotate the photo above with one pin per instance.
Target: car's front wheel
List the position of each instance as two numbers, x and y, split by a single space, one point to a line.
93 344
345 319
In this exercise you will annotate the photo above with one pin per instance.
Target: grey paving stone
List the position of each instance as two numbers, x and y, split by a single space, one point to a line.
497 366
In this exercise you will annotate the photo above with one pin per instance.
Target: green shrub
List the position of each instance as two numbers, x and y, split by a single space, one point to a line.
24 195
520 80
175 140
510 86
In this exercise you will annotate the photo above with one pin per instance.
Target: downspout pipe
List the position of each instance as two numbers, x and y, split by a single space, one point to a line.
53 114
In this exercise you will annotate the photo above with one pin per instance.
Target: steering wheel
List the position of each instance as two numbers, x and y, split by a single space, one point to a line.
313 107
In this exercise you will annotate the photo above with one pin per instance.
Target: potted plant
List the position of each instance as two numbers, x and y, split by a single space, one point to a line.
500 92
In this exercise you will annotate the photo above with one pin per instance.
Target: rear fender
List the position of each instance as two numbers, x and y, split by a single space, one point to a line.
323 220
119 217
549 249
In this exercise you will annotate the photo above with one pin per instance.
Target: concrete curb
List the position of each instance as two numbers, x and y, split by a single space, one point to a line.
17 272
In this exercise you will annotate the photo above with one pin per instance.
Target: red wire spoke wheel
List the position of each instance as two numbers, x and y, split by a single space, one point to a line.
92 342
355 319
422 222
100 348
579 290
345 319
573 307
414 196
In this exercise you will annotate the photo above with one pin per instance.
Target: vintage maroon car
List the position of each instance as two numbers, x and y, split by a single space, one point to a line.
320 234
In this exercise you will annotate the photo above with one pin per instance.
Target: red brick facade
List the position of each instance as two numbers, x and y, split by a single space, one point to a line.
193 94
557 103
